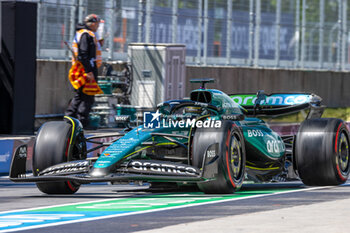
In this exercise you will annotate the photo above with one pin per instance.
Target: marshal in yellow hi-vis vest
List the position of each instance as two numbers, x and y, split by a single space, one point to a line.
77 74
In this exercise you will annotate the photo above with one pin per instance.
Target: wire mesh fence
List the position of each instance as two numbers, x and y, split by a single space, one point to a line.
306 34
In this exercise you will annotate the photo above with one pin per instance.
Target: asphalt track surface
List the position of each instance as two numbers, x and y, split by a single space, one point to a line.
116 208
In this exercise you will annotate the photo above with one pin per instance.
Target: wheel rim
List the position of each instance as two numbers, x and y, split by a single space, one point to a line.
343 154
236 157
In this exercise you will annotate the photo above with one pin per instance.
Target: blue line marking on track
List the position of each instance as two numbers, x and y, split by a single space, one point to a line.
49 216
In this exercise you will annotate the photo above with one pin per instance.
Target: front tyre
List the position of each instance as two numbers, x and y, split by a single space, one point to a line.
322 152
51 148
231 157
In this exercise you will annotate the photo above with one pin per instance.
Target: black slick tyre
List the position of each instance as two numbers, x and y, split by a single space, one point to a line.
322 152
51 148
231 157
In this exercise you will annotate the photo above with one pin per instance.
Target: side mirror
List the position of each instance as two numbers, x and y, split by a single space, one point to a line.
164 108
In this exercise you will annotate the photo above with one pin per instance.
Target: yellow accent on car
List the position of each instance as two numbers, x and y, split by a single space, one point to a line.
143 148
73 124
166 144
263 169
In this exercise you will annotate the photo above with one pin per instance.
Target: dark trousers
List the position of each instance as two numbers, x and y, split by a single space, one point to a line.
80 107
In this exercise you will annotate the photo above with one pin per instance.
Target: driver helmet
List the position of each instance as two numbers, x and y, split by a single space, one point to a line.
193 109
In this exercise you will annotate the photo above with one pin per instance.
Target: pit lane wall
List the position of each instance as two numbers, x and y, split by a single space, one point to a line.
53 90
332 87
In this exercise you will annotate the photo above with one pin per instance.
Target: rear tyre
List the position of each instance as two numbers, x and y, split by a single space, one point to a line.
322 152
231 157
51 148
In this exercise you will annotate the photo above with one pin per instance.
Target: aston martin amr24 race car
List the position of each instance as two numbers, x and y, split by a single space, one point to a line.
212 140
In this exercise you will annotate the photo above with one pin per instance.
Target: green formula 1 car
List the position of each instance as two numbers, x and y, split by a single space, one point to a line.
211 140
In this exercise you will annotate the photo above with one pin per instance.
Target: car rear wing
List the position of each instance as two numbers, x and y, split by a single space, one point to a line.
278 104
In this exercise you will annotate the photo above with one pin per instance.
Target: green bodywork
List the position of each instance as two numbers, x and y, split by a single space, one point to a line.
266 143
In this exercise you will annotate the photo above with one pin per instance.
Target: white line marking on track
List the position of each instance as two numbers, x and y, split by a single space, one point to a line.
10 224
61 205
149 211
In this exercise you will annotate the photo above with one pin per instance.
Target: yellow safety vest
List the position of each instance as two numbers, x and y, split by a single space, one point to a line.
76 41
77 74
